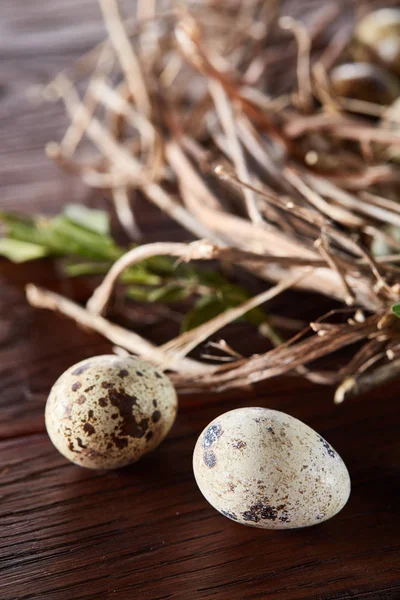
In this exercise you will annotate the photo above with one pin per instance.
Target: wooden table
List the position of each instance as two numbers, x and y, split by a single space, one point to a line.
145 532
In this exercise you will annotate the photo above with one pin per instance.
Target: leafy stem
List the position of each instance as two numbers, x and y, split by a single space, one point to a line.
82 237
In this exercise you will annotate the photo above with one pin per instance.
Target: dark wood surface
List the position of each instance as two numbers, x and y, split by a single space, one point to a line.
145 532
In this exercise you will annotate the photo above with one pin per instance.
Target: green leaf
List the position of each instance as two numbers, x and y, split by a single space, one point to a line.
169 293
212 279
70 238
134 274
65 235
9 219
160 265
89 218
84 268
19 252
205 308
27 230
138 293
395 308
233 295
138 274
187 272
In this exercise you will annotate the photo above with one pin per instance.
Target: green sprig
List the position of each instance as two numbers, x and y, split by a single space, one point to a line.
82 236
395 308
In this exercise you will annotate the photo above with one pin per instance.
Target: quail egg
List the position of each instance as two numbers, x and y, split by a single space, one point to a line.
106 412
266 469
363 81
379 33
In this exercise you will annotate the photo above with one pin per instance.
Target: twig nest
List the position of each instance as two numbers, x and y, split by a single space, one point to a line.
263 468
363 81
379 34
106 412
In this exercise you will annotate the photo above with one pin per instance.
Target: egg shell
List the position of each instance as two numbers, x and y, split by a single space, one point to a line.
264 468
364 81
376 25
106 412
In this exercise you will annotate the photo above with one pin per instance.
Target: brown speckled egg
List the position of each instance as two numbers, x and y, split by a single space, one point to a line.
106 412
264 468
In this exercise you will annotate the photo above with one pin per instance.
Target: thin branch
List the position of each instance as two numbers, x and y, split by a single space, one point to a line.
124 338
114 100
368 381
199 250
226 116
322 246
334 212
352 202
125 162
81 118
281 360
303 62
125 213
126 55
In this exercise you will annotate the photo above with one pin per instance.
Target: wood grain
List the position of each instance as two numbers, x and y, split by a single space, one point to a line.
145 531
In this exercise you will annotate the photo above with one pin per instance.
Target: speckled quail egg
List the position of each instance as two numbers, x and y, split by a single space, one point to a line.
378 38
363 81
106 412
264 468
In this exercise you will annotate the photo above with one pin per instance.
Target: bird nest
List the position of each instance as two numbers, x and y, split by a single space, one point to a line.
224 115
